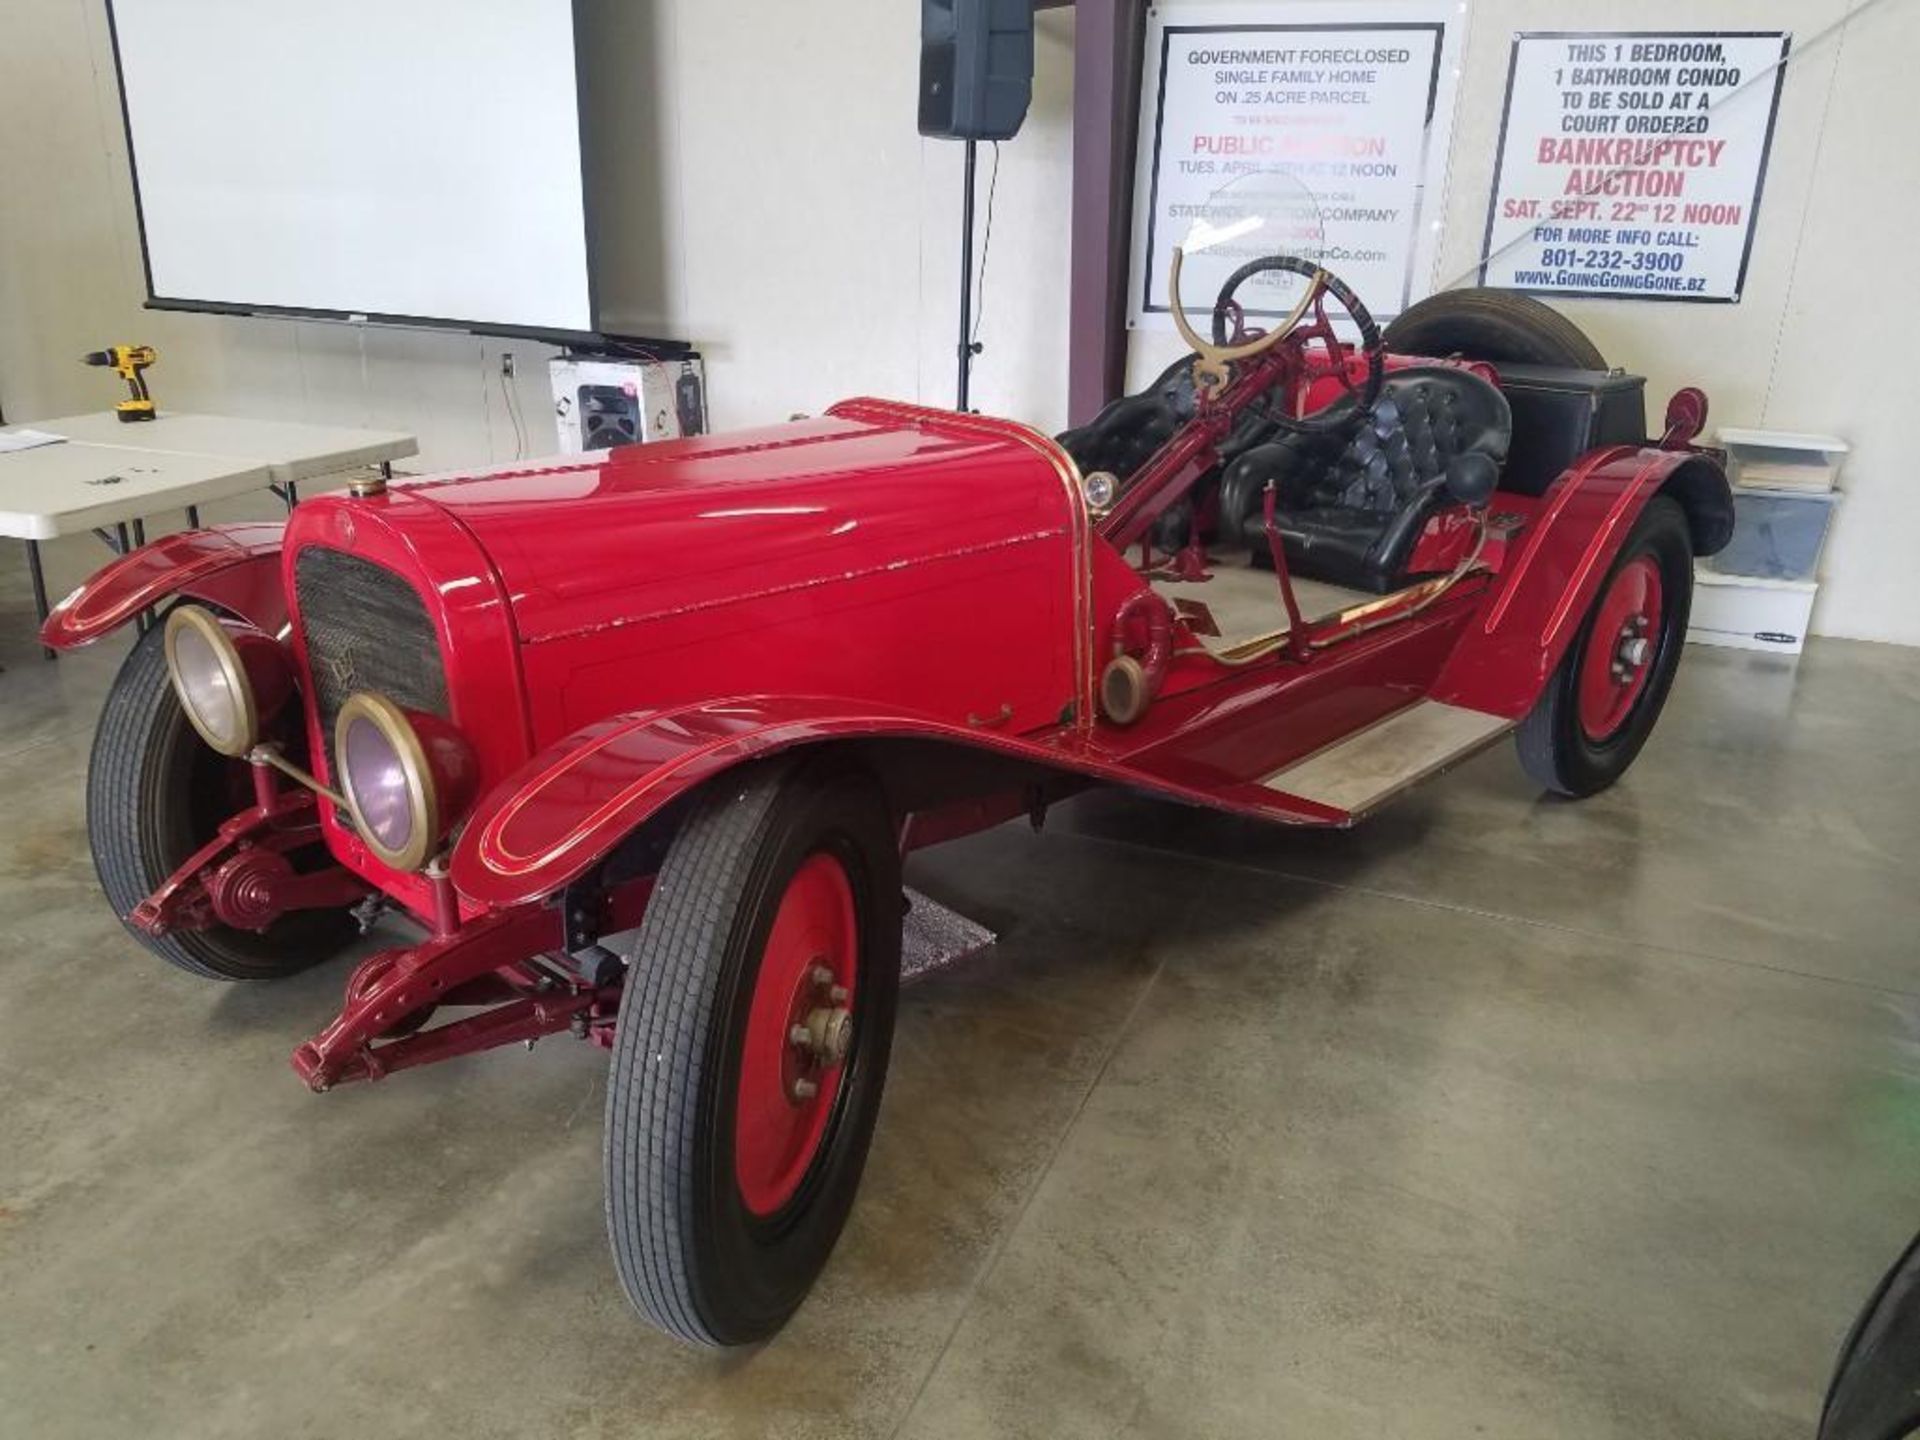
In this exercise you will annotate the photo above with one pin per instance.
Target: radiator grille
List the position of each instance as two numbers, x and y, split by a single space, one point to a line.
366 629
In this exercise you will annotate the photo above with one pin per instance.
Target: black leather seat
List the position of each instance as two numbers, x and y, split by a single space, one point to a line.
1352 499
1124 435
1128 431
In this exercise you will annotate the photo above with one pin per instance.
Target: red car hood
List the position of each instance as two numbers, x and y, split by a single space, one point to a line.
658 529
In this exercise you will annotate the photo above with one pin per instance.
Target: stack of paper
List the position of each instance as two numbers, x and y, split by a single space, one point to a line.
27 440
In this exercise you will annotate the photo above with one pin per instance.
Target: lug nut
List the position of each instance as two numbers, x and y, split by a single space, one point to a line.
800 1036
822 975
804 1089
838 994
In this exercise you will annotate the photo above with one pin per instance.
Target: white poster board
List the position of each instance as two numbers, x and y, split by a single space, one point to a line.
1354 101
1631 164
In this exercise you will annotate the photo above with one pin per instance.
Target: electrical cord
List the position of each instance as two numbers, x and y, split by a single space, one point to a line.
513 416
986 249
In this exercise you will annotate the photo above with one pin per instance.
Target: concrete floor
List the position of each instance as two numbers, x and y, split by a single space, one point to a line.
1498 1117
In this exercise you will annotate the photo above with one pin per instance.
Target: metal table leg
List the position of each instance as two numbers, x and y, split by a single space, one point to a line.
127 542
39 574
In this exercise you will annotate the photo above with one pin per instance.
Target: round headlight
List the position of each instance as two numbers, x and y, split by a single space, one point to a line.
229 677
404 776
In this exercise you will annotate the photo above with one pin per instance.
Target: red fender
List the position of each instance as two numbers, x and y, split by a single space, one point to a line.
562 812
1504 660
236 567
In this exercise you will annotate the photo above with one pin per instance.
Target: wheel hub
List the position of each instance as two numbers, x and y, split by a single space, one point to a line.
1632 650
825 1036
801 1031
1621 648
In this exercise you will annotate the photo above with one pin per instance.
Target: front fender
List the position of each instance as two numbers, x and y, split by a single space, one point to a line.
554 818
565 810
1511 648
235 567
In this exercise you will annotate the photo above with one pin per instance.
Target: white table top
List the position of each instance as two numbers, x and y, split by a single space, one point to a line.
69 489
291 451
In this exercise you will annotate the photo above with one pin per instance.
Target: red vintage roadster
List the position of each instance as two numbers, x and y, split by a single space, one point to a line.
639 739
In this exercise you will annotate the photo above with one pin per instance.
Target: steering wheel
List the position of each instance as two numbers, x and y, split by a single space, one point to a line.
1212 369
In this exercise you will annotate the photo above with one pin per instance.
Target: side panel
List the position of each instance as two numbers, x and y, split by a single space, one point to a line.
917 560
982 638
1506 656
235 567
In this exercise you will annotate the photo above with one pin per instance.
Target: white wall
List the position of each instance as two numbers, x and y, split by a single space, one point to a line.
808 241
1818 342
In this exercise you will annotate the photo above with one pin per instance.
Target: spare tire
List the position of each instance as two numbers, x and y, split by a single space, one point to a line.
1493 325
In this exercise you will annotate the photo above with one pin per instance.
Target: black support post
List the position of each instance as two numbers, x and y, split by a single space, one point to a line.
967 348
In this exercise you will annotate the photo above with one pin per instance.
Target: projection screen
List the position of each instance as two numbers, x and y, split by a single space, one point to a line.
412 160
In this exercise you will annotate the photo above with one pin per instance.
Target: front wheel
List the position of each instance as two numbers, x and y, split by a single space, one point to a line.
156 792
751 1049
1601 704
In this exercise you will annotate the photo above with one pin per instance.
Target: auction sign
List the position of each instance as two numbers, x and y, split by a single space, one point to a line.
1631 164
1345 107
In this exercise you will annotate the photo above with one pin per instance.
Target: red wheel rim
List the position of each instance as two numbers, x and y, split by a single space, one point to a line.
798 1029
1621 648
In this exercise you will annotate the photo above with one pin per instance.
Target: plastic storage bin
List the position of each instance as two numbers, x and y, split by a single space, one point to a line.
1750 614
1777 534
1782 459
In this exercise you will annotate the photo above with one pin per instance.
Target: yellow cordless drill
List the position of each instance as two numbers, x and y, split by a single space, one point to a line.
129 361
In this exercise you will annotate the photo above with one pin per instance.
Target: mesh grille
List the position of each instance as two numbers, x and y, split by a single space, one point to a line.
366 629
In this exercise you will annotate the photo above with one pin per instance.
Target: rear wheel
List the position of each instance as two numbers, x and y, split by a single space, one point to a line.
156 792
1492 325
751 1050
1601 704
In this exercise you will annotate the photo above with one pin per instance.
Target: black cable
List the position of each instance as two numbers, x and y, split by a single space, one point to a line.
986 249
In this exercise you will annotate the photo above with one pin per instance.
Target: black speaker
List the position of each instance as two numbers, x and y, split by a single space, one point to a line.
976 68
609 416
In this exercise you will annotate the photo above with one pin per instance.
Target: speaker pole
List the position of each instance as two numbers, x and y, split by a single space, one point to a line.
968 349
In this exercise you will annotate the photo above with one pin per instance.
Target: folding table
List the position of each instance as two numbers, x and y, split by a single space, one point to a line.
108 476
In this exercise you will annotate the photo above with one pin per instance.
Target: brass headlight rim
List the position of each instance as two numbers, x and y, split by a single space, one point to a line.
209 628
423 802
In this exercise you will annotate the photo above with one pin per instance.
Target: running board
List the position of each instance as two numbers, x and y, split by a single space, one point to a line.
1366 770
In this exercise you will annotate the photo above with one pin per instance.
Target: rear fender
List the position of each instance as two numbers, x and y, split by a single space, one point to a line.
236 567
1503 662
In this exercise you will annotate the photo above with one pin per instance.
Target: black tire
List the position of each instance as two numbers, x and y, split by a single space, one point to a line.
691 1256
1555 749
1492 325
156 793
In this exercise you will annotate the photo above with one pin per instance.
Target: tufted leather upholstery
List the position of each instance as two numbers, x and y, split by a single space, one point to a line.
1127 433
1123 436
1351 501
